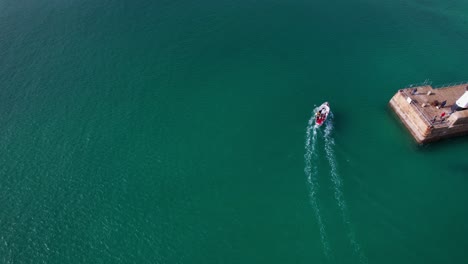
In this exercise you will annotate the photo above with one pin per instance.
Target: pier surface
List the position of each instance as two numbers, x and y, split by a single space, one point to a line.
417 109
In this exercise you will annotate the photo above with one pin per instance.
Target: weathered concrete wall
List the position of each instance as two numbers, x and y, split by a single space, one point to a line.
417 126
446 132
459 118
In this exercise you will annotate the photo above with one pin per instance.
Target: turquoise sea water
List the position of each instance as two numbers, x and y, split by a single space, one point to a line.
177 132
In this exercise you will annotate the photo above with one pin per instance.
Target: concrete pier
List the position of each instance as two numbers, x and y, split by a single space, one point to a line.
419 109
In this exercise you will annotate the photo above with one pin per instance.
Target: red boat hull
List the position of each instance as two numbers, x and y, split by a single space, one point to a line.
322 114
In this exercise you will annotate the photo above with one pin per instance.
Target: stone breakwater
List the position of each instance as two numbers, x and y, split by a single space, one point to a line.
429 113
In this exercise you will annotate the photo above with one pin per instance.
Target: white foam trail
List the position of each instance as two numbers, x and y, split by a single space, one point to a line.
337 186
311 171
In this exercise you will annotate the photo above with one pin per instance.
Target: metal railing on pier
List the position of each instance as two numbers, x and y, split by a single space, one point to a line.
429 82
450 84
415 106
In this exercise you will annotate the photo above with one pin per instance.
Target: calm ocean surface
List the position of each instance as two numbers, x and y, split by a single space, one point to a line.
177 132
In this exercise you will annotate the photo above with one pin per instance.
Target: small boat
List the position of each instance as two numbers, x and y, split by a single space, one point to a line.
322 113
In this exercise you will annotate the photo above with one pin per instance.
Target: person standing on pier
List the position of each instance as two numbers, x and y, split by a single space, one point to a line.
442 117
442 105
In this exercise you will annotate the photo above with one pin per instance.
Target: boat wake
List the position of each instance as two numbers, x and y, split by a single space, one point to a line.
311 170
337 187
